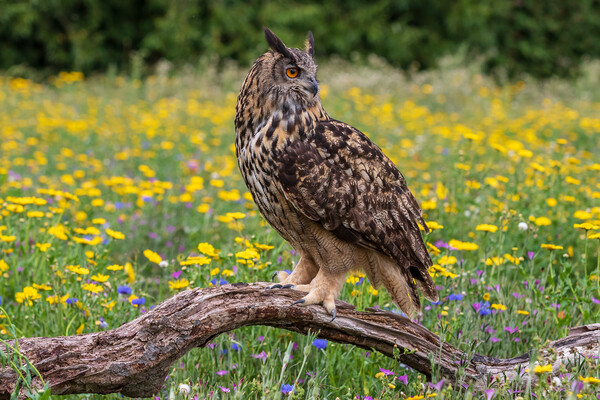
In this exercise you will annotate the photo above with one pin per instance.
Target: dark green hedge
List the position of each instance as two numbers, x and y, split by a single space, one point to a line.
543 38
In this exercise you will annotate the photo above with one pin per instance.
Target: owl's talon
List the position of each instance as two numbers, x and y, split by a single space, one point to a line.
274 275
334 312
301 301
288 286
276 286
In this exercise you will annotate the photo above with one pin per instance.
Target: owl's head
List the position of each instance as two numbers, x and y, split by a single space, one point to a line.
293 71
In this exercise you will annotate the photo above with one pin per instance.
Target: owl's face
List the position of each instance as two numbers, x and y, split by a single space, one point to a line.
294 72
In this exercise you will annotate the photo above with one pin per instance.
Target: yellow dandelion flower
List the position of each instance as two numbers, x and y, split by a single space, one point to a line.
494 261
196 261
43 247
77 269
3 266
467 246
114 267
586 226
43 286
432 225
109 305
7 239
486 297
248 254
522 312
542 221
179 284
99 221
551 202
91 287
486 228
152 256
214 271
35 214
551 246
208 249
115 234
130 273
27 296
100 278
203 208
447 260
236 215
539 369
589 379
433 249
501 307
263 246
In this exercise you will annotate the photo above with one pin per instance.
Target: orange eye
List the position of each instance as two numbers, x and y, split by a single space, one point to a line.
292 72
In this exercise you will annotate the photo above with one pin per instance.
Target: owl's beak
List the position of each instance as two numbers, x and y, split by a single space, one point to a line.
313 86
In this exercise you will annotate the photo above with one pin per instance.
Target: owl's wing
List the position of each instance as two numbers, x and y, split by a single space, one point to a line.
343 181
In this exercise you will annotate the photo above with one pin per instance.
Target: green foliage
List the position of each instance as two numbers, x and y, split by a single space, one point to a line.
542 39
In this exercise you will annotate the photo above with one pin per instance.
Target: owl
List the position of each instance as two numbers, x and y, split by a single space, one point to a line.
325 187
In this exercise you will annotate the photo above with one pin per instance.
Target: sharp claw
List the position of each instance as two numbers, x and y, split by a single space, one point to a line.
301 301
274 275
276 286
334 314
288 286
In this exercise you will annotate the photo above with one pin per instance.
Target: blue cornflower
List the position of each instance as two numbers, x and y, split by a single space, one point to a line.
138 302
286 388
484 308
236 347
123 289
456 297
219 282
71 300
320 343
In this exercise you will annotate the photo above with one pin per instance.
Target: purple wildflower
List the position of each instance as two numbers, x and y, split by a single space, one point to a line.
320 343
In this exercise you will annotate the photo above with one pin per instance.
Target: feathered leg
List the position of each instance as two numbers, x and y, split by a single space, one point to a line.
303 273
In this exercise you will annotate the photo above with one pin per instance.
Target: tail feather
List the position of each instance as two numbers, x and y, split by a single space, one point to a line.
424 283
399 284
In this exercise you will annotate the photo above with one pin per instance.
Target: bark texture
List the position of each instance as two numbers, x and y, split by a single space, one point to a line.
134 359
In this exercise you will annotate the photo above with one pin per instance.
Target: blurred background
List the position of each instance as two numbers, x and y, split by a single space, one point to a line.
508 38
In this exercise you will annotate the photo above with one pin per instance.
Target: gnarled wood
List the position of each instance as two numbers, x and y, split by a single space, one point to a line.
135 358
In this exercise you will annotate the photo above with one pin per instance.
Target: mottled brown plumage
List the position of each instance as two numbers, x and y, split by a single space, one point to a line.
325 187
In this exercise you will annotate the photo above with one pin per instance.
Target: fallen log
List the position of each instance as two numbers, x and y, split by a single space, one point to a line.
134 358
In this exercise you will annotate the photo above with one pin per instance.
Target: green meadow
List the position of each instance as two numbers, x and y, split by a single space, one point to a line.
116 193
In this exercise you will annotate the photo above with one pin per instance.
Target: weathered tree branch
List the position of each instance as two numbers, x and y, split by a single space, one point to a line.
134 359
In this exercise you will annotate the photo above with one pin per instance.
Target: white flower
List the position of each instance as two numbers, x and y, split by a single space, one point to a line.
184 389
523 226
163 263
556 380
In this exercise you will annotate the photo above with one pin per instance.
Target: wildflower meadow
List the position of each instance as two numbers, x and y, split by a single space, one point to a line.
116 193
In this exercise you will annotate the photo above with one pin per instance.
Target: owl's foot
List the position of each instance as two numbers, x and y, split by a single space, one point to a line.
322 290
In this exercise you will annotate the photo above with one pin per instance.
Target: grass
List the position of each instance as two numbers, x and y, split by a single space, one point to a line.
108 185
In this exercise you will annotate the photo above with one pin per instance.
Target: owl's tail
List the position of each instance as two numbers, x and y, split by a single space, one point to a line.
402 283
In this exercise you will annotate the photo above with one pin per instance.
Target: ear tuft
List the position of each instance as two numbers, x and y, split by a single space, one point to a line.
309 45
276 44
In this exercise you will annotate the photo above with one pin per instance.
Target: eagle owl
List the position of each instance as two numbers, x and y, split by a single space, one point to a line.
325 187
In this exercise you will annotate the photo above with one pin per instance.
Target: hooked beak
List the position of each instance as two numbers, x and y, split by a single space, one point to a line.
312 86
